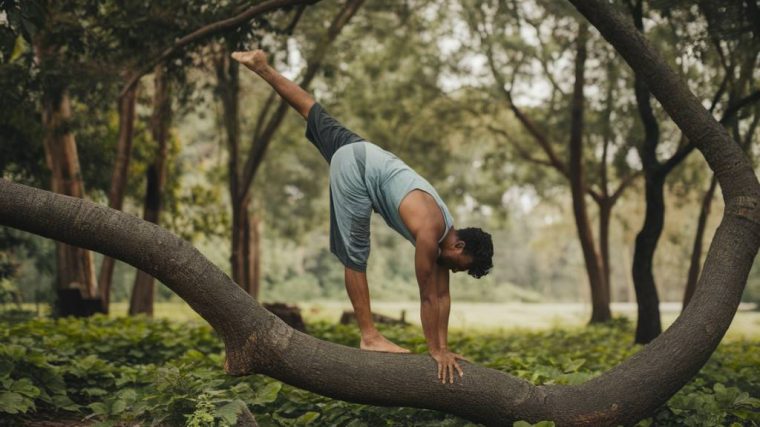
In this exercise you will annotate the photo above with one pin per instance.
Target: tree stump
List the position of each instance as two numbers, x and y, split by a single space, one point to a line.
289 314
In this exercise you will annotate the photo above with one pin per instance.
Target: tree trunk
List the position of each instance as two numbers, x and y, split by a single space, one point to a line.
254 256
696 253
605 214
599 298
143 289
118 181
648 326
76 286
240 242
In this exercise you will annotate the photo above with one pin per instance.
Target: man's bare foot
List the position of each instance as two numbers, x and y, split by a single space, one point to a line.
255 60
380 343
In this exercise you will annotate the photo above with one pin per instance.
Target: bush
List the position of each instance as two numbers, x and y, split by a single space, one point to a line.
150 372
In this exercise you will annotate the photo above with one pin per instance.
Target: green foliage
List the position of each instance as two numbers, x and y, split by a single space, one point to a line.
155 372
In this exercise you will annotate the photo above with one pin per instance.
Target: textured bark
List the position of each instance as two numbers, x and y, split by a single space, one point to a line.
648 325
143 288
599 296
254 256
256 341
605 215
75 266
696 253
118 181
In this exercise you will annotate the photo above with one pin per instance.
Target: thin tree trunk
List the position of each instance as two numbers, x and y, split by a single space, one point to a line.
228 77
144 286
696 253
254 256
648 325
118 181
76 285
599 298
605 214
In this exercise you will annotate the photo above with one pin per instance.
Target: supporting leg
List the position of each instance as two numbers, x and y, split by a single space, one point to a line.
358 293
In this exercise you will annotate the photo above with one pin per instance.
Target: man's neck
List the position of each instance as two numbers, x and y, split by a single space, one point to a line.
449 239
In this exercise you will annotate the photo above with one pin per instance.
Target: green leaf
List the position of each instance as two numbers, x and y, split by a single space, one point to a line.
61 401
98 408
13 403
307 418
230 412
6 367
118 406
268 394
25 387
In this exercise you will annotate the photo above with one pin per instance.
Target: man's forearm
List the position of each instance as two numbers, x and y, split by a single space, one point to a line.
298 98
429 312
444 307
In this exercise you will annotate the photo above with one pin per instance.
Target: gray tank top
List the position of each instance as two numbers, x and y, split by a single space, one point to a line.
389 180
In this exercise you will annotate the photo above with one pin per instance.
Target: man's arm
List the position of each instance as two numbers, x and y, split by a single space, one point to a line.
432 307
298 98
444 306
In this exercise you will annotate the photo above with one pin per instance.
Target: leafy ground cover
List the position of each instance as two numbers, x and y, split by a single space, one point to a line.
128 371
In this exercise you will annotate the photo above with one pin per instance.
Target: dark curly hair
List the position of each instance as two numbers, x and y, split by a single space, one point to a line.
478 245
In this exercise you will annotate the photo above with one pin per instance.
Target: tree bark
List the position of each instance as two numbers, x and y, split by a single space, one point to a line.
648 325
599 297
254 256
256 341
118 182
144 286
76 286
696 253
605 215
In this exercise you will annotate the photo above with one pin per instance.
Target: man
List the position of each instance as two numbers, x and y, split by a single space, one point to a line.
364 177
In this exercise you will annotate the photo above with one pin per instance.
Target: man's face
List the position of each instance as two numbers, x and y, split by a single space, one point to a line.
455 259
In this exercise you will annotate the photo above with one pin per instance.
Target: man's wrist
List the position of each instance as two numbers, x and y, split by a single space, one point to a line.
437 350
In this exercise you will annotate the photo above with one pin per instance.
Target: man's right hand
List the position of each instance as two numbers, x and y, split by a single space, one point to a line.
447 362
255 60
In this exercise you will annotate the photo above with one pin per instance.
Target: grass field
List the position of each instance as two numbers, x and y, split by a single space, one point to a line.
482 316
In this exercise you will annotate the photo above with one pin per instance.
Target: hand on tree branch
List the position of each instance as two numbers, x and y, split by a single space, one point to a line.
447 362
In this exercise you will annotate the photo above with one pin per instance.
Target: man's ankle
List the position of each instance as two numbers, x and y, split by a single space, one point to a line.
371 335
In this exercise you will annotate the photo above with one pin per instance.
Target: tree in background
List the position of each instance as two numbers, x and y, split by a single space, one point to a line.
738 26
143 288
499 30
656 171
